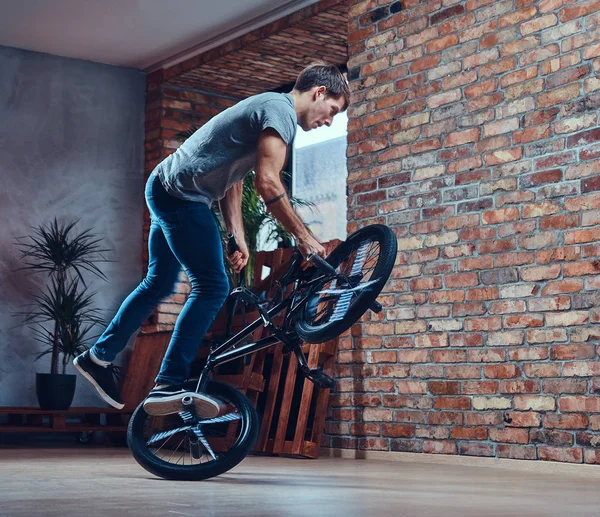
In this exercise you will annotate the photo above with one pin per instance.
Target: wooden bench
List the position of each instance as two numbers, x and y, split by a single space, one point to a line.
82 421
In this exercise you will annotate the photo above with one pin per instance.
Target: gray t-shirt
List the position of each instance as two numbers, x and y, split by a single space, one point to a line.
223 151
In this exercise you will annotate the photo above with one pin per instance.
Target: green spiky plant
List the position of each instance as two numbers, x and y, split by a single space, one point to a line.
62 317
255 216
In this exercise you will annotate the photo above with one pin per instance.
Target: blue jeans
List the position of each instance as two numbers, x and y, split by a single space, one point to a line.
182 233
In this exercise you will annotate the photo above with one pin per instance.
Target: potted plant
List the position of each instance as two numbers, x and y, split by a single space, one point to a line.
62 316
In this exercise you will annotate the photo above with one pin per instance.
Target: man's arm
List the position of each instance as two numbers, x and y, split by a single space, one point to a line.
231 209
270 160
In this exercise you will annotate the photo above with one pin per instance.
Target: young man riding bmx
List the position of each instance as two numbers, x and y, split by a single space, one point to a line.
211 165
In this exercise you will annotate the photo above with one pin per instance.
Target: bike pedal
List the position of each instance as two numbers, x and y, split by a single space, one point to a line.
320 378
246 296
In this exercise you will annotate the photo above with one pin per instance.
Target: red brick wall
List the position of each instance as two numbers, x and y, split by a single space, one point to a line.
474 134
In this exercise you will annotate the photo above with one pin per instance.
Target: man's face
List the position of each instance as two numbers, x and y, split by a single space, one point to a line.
322 110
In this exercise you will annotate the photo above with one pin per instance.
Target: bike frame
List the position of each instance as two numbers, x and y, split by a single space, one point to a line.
227 351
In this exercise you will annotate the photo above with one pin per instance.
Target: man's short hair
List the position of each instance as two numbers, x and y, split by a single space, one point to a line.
320 73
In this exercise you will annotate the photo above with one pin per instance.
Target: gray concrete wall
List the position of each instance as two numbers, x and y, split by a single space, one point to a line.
71 146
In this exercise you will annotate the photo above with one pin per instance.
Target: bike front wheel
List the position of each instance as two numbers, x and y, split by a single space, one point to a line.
183 447
366 258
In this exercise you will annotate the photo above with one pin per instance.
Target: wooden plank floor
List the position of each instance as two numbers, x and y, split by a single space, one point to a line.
107 482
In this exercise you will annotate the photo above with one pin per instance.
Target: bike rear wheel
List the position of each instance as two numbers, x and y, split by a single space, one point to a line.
366 258
182 447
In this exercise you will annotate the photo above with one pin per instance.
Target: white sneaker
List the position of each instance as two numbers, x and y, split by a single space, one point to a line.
167 400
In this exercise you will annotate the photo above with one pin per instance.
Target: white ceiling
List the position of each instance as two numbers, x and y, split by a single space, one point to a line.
144 34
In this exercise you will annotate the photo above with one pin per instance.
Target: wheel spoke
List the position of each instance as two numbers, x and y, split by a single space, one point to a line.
164 443
207 446
228 417
176 449
165 434
337 292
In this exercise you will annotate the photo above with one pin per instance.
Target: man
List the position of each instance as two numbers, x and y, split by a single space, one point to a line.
211 164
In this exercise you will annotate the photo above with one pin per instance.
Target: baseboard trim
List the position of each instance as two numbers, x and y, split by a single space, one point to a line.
478 461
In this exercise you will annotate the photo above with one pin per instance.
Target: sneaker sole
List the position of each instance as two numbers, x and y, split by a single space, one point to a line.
101 392
205 408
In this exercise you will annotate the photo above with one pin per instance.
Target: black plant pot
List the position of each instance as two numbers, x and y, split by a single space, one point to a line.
55 391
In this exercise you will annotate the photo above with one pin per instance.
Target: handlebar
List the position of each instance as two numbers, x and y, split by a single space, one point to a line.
232 245
313 258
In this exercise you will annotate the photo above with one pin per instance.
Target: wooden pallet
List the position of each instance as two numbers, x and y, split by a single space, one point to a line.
144 364
293 409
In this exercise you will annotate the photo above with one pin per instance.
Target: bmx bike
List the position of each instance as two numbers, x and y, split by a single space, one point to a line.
327 298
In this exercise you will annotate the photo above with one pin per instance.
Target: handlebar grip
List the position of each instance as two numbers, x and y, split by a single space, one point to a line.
320 263
232 245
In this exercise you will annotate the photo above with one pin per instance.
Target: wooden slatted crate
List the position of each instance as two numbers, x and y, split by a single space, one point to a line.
293 409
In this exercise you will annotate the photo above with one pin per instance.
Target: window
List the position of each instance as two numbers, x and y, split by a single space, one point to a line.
319 175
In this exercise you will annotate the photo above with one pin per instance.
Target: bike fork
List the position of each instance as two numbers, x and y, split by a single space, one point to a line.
203 379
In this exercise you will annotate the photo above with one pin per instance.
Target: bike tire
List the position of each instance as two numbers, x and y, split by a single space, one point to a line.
241 448
388 245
